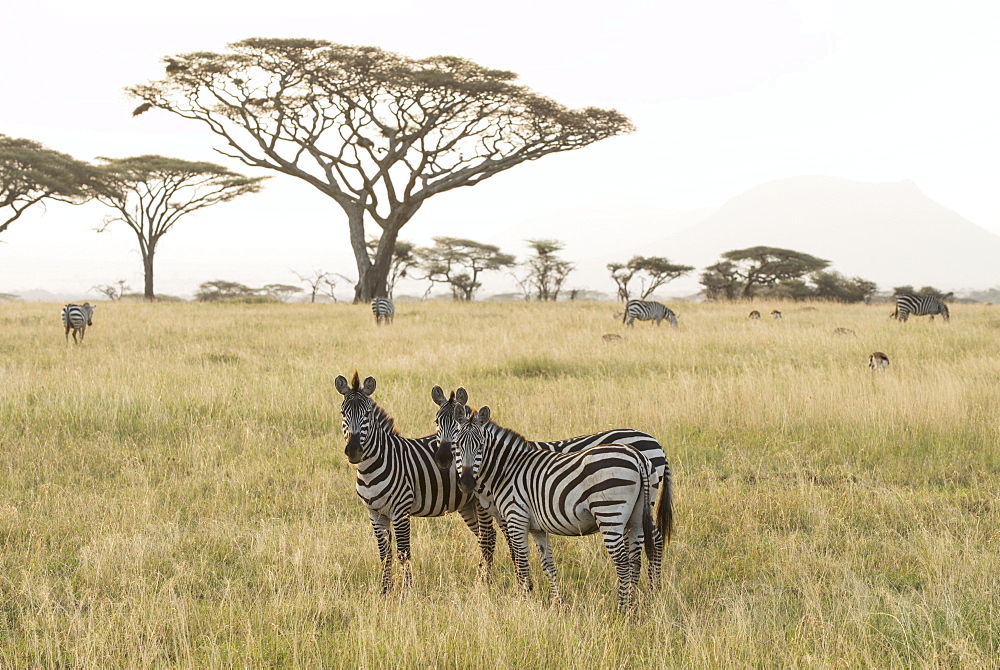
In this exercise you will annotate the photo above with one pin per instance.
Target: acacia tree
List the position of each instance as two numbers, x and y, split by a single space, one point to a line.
31 174
376 131
758 266
545 271
458 263
151 193
656 271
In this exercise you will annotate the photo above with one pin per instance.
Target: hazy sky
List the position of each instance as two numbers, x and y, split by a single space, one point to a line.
726 94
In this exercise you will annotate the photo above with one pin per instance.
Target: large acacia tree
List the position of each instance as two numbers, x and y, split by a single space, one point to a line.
376 131
31 174
758 266
151 193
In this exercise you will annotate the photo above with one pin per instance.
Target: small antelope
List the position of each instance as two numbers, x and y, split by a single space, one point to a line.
878 361
844 331
611 337
754 315
775 314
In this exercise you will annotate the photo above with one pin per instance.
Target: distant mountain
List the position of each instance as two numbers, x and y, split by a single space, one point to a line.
890 233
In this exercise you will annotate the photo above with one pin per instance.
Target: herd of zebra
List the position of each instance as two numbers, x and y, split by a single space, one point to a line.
605 482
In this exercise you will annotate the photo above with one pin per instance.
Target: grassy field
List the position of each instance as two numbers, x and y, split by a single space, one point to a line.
175 492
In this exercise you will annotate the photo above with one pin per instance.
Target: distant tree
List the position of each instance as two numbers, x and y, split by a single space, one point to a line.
833 286
721 281
113 291
218 291
656 271
281 292
458 263
151 193
377 132
765 266
404 258
320 281
31 174
544 272
926 290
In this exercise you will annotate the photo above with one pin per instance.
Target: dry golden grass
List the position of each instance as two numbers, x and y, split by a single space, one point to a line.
175 490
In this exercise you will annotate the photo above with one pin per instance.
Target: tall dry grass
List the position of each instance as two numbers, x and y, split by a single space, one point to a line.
174 491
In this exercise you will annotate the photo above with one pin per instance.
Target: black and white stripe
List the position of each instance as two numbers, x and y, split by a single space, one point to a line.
77 318
383 309
919 305
397 479
605 488
647 310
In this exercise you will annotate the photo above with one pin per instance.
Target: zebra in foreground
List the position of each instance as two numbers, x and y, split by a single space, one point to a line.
647 310
878 361
383 309
919 305
77 318
604 488
397 478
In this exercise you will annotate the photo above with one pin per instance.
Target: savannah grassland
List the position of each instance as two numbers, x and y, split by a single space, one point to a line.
175 492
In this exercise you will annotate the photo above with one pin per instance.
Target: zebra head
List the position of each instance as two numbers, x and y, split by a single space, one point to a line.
89 310
357 410
470 442
447 426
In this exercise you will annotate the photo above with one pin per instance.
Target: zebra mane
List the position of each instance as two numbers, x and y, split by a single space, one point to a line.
382 419
505 434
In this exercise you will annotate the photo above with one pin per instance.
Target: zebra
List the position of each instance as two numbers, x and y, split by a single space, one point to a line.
648 446
878 361
775 314
919 305
647 310
397 479
383 309
77 318
754 315
604 488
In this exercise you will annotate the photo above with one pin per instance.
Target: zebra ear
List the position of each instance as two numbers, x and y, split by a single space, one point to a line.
482 417
460 415
437 395
461 396
341 384
369 387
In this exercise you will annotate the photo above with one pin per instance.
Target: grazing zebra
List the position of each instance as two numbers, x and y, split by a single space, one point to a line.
878 361
397 479
77 318
383 309
775 314
919 305
754 315
604 488
647 310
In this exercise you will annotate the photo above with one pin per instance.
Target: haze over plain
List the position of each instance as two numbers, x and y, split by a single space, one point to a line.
726 96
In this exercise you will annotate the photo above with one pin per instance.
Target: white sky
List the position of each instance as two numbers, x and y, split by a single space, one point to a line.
726 94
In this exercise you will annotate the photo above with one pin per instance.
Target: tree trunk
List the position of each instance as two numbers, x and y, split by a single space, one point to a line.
147 265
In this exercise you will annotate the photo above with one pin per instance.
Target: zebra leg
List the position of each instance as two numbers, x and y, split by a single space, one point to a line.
401 529
517 538
614 542
480 523
655 567
541 539
633 543
380 524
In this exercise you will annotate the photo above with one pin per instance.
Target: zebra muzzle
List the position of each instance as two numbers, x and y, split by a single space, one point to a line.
466 482
443 456
353 449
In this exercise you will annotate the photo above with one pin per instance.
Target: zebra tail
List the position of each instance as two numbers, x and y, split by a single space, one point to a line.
665 506
625 314
649 543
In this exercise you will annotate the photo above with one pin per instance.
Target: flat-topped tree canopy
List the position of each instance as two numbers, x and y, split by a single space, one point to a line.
376 131
31 173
